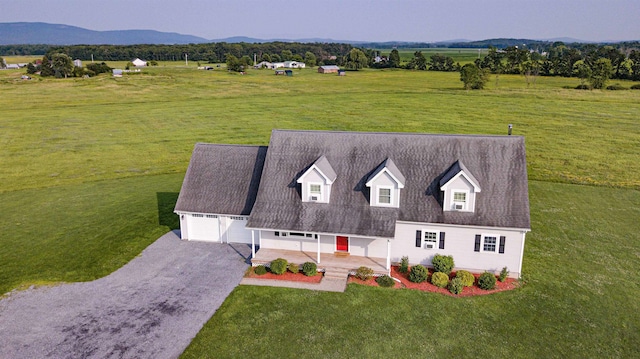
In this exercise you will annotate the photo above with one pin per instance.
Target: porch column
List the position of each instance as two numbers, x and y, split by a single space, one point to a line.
388 254
318 249
253 244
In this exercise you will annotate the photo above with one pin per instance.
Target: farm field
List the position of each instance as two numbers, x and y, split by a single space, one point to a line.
91 169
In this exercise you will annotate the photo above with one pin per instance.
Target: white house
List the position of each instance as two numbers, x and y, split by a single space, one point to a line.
369 195
294 65
138 63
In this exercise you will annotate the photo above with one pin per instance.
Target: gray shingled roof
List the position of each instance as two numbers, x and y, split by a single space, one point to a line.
221 179
498 164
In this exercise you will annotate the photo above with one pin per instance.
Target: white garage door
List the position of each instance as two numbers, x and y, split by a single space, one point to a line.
203 227
237 231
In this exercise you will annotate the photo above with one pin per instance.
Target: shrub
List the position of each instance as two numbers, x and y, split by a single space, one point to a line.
260 270
583 87
635 87
442 263
487 281
504 273
364 273
439 279
466 277
418 273
279 266
615 87
293 268
456 286
404 265
385 281
309 269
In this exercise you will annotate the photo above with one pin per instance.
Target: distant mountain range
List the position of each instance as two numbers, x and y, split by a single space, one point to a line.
30 33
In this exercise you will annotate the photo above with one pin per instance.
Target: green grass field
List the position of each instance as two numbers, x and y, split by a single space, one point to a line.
91 169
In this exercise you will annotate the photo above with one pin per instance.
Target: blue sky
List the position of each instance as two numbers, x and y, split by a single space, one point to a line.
372 20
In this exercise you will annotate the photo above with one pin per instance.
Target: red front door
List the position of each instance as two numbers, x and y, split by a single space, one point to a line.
342 244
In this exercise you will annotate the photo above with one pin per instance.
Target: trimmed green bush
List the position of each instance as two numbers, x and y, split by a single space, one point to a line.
404 265
616 87
418 273
385 281
364 273
487 281
439 279
309 269
466 277
504 273
583 87
293 268
456 286
442 264
260 270
279 266
635 87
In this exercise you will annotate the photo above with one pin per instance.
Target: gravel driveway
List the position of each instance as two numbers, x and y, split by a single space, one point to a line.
150 308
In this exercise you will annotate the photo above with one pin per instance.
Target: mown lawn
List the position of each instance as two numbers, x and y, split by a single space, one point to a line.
91 169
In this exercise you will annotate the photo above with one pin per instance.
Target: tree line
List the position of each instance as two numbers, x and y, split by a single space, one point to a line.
208 53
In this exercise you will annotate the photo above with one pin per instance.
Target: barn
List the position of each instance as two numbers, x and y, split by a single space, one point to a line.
328 69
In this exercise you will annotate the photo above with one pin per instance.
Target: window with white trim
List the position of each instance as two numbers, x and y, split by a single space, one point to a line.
459 200
430 240
489 243
384 195
315 192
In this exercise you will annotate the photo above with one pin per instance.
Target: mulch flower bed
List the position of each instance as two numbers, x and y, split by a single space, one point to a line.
293 277
508 284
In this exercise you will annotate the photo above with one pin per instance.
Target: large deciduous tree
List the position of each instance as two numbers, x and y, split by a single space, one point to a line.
394 59
310 59
62 65
600 73
473 77
583 71
356 60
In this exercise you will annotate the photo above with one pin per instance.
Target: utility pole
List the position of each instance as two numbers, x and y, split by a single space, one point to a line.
186 59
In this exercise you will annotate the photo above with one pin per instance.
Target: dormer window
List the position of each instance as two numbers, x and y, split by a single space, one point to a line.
384 195
460 189
459 201
316 181
315 192
385 184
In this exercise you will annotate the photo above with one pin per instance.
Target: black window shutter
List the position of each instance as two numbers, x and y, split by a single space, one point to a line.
478 239
501 249
418 239
441 246
277 234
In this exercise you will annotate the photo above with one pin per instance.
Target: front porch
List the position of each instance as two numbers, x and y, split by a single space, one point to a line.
328 261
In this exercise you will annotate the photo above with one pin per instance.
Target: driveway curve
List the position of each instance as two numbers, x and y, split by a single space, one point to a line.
150 308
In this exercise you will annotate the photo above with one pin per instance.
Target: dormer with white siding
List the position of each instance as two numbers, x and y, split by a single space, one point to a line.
385 184
459 188
316 181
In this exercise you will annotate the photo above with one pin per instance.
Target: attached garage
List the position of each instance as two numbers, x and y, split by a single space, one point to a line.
202 227
237 231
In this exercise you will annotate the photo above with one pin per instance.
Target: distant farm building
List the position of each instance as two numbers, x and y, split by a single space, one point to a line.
117 73
294 65
139 63
77 63
328 69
